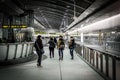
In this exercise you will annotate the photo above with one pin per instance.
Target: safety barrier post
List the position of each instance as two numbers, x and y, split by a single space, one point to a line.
22 50
97 60
7 52
107 65
16 45
113 68
101 62
26 50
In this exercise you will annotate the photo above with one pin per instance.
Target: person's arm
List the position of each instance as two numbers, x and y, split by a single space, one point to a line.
41 44
57 44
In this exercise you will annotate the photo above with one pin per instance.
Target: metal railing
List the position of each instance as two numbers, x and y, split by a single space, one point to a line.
107 64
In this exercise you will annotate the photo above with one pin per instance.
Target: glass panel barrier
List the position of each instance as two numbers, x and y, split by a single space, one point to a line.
104 64
3 52
28 49
19 50
24 50
11 52
118 70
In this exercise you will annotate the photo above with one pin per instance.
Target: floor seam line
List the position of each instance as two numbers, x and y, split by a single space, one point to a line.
60 70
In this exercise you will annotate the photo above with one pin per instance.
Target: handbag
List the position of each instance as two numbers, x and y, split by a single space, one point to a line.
41 50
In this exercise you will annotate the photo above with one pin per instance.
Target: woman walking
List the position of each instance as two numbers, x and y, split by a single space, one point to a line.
60 46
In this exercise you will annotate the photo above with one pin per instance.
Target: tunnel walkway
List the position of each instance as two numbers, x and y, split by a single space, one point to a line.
52 69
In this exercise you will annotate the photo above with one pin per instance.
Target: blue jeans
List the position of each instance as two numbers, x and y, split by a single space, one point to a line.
60 53
51 52
71 53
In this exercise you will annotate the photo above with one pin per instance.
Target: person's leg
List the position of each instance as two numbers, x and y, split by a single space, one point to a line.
59 53
62 54
71 52
50 52
53 52
40 59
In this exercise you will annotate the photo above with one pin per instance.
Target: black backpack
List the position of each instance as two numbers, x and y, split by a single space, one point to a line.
52 44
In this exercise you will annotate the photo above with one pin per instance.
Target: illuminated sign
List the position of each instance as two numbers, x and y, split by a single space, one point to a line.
14 26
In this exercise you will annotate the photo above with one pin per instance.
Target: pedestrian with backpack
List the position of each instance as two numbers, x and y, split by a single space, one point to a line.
60 47
51 47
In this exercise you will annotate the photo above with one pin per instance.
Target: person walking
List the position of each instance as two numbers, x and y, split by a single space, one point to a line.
39 49
51 47
72 47
60 46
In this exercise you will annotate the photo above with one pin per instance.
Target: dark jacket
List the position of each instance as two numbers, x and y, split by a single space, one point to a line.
72 44
38 45
55 40
51 44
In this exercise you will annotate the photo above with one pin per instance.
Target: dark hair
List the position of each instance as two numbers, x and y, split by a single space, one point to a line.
61 36
39 36
71 37
51 38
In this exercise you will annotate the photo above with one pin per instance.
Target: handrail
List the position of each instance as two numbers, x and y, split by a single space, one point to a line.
104 62
101 49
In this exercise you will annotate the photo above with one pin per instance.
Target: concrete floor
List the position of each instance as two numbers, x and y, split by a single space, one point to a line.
52 69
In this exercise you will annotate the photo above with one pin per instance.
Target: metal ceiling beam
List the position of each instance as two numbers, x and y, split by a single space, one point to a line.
108 23
39 21
57 1
41 25
46 20
90 2
57 15
55 11
96 6
51 5
72 4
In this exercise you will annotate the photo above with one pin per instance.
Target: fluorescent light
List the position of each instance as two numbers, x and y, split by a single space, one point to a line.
110 22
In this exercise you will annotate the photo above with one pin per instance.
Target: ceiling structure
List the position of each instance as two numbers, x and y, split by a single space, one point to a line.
54 14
